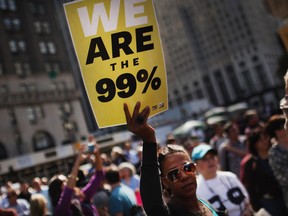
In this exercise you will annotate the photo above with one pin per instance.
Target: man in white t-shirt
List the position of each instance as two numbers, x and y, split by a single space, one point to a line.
222 189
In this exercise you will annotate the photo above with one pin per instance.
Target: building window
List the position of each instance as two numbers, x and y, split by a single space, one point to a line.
51 47
16 24
22 46
35 113
7 24
31 115
12 24
70 125
42 47
70 129
59 86
13 46
42 27
52 68
42 140
3 4
12 5
17 46
39 112
47 47
22 69
8 5
46 27
65 109
27 68
37 27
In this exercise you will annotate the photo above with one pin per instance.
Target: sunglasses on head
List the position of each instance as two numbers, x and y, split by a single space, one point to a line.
173 175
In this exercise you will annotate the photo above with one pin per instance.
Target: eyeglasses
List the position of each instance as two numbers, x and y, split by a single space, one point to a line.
173 175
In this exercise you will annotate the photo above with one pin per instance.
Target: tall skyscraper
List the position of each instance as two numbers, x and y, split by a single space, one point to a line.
225 51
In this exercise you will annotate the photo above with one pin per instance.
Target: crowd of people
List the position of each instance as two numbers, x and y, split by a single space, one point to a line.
240 170
110 187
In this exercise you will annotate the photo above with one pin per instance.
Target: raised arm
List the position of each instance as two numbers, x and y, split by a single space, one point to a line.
92 186
72 177
150 183
64 202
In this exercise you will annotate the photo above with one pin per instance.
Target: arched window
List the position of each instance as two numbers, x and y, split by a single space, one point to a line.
42 140
3 152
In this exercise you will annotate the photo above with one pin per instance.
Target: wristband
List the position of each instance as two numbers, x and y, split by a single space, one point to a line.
72 177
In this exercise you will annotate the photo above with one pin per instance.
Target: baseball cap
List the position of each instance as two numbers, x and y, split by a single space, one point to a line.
201 150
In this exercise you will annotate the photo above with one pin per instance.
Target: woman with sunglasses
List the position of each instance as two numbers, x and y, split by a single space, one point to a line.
177 173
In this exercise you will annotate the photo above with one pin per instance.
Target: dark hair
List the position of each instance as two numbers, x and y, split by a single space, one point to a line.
163 152
253 137
112 176
275 122
55 189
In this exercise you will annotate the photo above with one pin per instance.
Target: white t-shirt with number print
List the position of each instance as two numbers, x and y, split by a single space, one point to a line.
225 191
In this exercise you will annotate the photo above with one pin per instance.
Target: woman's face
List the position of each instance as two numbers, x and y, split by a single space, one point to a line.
125 173
208 165
263 143
185 185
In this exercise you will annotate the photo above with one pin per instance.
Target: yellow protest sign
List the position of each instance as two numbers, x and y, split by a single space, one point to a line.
119 51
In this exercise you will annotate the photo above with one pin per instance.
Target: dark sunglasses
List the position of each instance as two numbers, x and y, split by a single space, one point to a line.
173 175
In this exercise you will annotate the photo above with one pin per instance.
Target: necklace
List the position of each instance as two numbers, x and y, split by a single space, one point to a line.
201 212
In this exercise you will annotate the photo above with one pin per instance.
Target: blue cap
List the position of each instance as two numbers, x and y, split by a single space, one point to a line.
201 150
